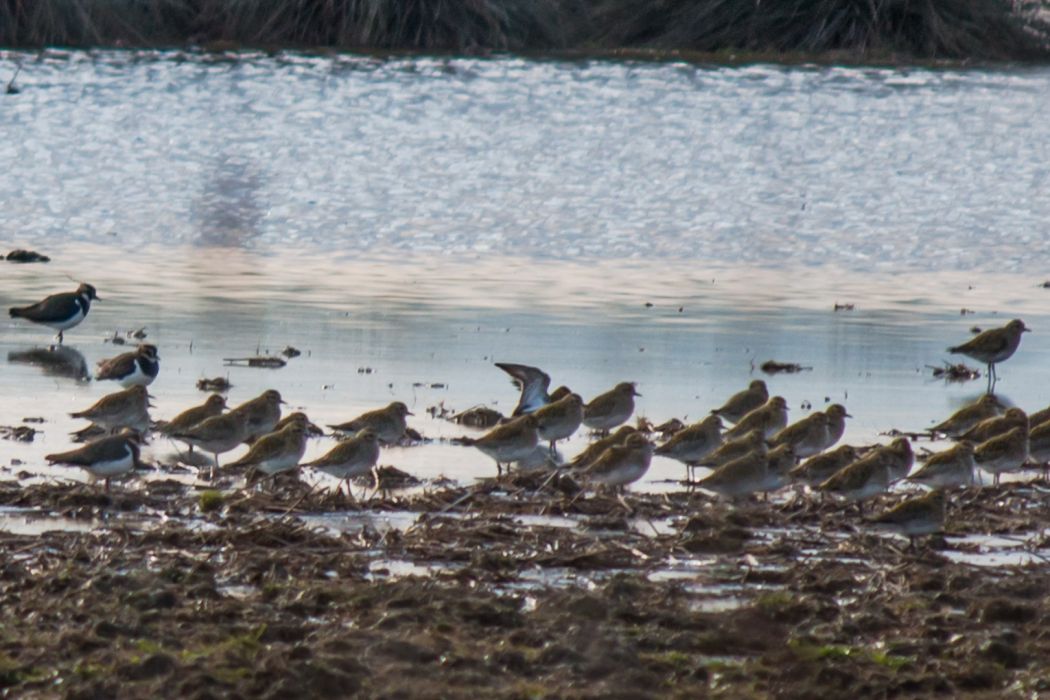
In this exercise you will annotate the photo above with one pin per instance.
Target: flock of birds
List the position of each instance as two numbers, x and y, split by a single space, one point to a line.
758 452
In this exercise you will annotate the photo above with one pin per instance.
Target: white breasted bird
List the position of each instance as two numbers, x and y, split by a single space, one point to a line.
59 311
104 458
139 366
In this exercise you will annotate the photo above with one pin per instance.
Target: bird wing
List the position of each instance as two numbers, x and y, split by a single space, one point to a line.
116 367
54 308
104 450
533 383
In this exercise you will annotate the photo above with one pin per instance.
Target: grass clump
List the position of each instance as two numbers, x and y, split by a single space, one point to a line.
210 501
818 652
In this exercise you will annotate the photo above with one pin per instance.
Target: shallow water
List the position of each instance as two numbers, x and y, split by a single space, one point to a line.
422 218
29 521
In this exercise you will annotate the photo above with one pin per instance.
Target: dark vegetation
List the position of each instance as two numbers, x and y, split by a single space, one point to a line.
859 29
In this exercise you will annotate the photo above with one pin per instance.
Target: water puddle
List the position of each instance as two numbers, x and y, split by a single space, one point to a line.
997 550
353 522
27 521
401 568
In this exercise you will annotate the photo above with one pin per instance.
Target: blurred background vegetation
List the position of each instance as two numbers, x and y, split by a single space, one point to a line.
861 29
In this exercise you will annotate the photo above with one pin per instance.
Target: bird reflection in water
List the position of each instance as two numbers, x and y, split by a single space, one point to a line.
55 361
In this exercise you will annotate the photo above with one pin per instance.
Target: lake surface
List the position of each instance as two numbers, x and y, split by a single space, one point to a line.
424 217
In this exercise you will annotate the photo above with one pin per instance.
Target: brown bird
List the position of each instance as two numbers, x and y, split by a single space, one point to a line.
510 441
595 449
914 517
350 458
312 429
1039 443
692 443
622 464
990 427
754 472
947 468
1003 453
743 402
216 435
278 451
261 414
899 458
753 441
993 346
560 419
606 411
873 473
866 477
388 423
807 436
1034 419
969 415
837 416
122 409
821 467
212 406
770 417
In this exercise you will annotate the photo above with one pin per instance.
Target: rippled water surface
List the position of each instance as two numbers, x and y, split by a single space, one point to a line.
424 217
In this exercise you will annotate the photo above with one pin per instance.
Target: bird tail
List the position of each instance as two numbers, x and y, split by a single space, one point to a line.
953 349
16 313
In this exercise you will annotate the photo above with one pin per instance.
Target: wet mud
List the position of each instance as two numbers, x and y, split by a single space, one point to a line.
512 588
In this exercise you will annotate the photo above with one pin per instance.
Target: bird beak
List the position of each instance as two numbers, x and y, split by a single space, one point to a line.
849 415
409 413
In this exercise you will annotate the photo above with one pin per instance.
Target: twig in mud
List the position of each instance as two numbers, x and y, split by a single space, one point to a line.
219 384
462 499
297 503
955 373
894 432
774 367
264 361
11 89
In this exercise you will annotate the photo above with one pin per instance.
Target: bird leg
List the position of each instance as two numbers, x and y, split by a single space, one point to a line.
349 491
59 336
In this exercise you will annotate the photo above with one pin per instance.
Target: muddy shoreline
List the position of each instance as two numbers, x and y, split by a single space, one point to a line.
512 592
